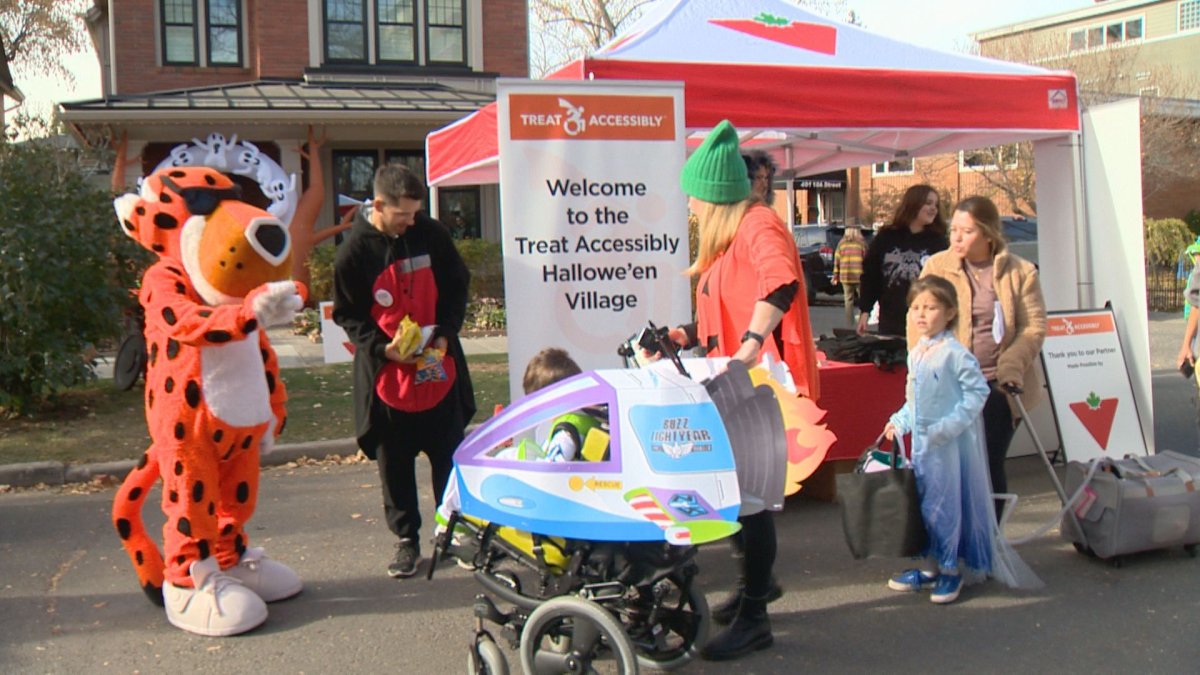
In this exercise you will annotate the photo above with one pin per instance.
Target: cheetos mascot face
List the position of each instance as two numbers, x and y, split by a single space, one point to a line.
213 400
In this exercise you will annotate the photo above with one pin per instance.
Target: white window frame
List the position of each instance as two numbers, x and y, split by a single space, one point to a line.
887 167
201 36
1188 4
472 32
1103 27
1148 91
963 167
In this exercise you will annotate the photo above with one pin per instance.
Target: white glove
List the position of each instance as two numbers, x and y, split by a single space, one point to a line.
268 440
276 304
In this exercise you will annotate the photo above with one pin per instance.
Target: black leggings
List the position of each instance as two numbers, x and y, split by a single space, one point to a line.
758 543
998 429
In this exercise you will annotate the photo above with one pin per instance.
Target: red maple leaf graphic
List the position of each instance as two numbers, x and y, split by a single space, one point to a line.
812 36
1097 416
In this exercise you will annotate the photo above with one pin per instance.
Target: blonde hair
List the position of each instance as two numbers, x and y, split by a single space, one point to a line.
853 233
986 217
718 223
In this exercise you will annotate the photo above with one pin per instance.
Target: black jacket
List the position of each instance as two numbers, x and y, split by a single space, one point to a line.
893 261
361 259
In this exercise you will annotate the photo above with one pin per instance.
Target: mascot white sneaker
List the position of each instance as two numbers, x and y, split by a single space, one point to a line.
217 605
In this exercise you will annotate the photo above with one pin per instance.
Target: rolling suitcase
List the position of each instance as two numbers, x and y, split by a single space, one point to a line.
1134 504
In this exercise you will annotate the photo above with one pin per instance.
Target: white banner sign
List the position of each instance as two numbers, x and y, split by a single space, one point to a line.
1089 386
594 222
334 341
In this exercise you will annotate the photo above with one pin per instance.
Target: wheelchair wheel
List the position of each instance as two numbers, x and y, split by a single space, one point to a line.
570 635
131 361
486 658
679 630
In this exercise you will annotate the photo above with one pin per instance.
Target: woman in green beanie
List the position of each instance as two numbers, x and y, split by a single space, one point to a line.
750 301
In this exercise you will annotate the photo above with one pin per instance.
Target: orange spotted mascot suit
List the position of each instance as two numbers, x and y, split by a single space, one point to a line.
214 399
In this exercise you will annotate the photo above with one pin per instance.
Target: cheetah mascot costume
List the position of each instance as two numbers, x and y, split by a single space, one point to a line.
214 399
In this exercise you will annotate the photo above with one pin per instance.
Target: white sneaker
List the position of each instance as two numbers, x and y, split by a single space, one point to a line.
217 606
270 580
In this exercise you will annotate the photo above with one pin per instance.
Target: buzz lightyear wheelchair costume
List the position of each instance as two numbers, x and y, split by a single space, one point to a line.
595 558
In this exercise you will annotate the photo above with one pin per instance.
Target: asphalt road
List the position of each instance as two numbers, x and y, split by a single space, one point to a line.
69 601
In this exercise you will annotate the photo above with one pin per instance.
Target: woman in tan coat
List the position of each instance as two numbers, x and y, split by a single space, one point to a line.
1001 294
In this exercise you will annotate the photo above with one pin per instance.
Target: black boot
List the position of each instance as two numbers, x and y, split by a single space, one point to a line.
725 610
749 632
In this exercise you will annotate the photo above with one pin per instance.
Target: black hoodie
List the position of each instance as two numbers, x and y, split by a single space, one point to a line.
893 261
366 255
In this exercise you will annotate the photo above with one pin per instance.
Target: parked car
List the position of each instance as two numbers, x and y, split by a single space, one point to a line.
816 244
1022 236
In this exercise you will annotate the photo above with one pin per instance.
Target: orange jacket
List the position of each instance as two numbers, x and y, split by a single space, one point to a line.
761 258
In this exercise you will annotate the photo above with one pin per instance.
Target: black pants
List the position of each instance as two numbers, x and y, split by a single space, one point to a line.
757 541
998 429
397 457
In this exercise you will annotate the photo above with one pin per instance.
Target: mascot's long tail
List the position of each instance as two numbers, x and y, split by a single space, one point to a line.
127 518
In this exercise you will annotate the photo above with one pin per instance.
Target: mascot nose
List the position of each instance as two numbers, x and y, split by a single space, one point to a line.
270 239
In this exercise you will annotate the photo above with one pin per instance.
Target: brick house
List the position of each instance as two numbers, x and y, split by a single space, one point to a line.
373 76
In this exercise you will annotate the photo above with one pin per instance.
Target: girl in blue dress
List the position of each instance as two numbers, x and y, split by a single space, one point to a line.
944 397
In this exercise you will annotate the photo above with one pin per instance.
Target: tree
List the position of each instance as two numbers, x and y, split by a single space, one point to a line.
1168 138
35 34
66 270
564 30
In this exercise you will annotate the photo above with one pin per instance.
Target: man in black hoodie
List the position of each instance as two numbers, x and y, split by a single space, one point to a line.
397 263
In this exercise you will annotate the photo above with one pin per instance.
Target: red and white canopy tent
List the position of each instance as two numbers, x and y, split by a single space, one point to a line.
822 95
819 94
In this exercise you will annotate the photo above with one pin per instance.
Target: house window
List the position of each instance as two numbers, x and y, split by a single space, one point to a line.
224 32
988 159
179 32
396 32
346 30
1189 15
219 22
1107 35
893 167
1078 40
446 31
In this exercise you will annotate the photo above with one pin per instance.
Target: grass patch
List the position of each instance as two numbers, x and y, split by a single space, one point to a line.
98 423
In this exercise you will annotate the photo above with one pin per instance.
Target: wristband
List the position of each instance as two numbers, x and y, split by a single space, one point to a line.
751 335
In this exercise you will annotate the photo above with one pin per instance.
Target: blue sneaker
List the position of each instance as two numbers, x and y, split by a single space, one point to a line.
947 588
911 581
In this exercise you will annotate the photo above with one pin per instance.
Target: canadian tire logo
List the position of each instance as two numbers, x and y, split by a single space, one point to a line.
1057 99
1096 415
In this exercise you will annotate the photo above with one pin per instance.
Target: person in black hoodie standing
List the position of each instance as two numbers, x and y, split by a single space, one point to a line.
896 256
398 262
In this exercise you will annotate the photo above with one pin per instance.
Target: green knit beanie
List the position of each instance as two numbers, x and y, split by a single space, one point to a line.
715 172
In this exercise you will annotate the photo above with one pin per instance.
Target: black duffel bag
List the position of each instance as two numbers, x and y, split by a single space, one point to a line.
884 351
881 511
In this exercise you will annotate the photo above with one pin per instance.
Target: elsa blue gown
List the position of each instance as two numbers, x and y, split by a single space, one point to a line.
945 394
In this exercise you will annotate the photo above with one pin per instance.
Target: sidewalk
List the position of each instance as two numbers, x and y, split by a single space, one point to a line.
294 351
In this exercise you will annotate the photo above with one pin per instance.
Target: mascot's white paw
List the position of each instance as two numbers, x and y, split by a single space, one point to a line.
218 605
276 303
269 579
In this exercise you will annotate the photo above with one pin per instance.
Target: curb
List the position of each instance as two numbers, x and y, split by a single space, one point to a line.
31 474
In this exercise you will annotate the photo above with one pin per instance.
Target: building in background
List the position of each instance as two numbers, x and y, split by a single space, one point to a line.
1117 49
373 77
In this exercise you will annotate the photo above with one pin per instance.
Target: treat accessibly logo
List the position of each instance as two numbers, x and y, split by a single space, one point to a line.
591 117
574 124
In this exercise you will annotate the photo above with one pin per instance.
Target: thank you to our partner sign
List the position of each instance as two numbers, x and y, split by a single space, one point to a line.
1093 401
594 222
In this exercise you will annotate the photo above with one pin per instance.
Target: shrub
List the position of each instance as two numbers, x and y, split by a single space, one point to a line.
486 262
1165 240
65 273
320 269
1193 222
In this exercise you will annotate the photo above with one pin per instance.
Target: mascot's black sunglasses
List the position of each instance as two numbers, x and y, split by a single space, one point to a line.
203 201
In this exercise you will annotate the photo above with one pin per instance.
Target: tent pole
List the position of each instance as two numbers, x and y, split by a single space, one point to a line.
1086 289
791 187
433 202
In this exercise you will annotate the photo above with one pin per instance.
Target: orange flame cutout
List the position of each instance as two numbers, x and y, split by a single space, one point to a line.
807 440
